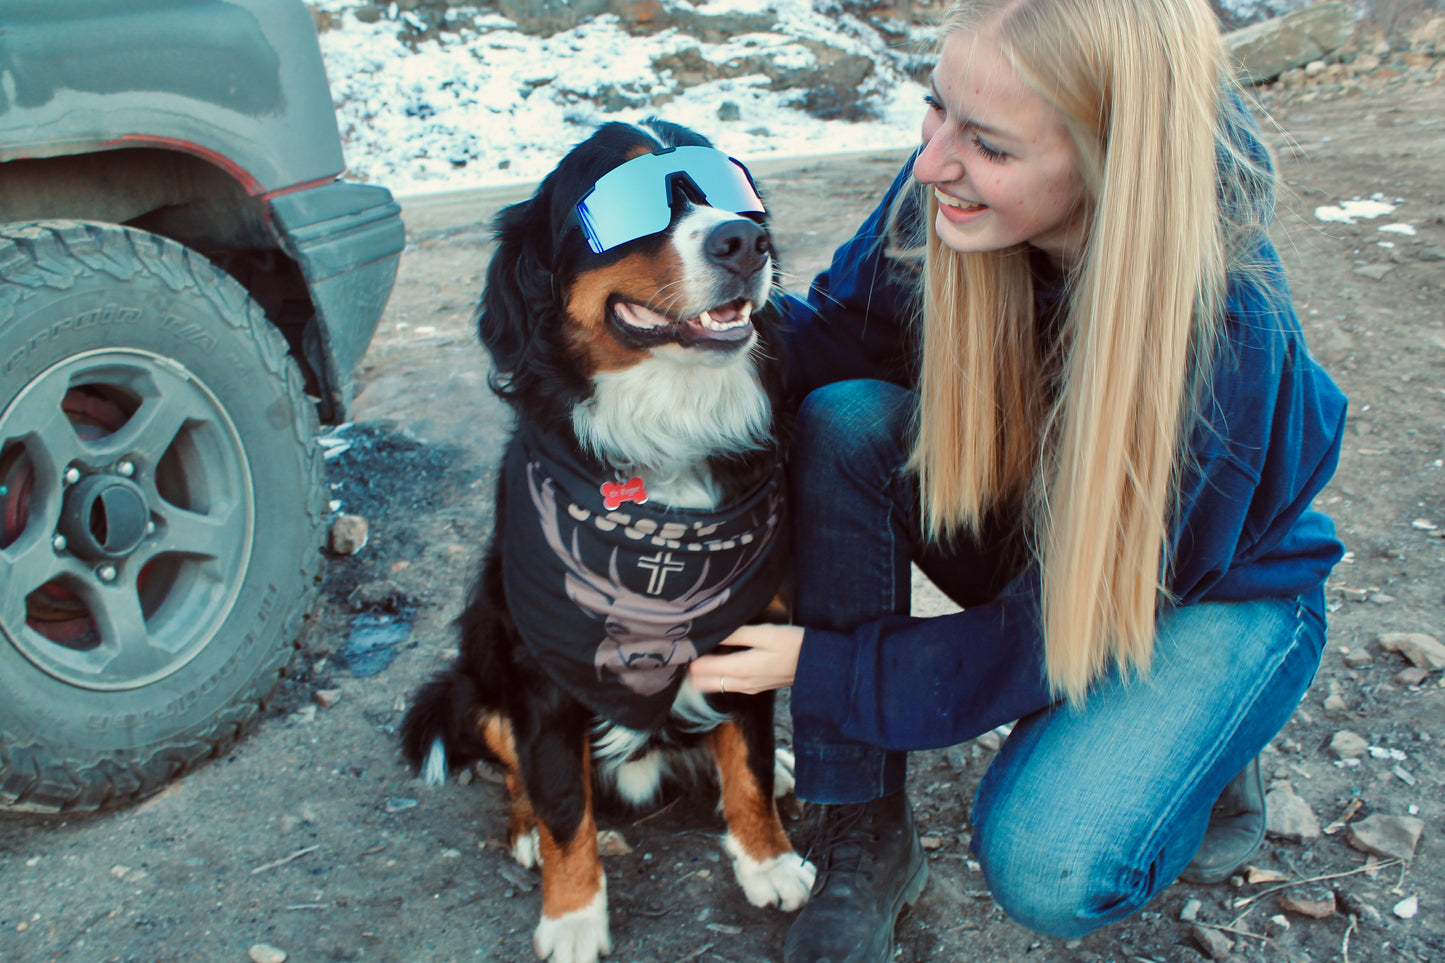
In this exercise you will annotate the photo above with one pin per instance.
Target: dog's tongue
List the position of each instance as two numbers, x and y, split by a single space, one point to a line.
726 313
636 316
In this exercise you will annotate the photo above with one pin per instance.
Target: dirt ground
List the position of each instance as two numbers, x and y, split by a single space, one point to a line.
312 838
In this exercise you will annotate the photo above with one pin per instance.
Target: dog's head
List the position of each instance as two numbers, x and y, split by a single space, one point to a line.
644 242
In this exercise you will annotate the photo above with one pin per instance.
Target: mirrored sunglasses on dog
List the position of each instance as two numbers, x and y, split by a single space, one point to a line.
636 199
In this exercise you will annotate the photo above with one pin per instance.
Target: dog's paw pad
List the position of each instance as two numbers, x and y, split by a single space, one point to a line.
784 881
527 849
784 765
577 937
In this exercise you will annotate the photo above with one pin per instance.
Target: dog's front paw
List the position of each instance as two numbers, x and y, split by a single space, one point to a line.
785 880
527 848
577 937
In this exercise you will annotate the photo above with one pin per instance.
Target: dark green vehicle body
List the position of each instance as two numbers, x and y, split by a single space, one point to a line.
210 122
186 285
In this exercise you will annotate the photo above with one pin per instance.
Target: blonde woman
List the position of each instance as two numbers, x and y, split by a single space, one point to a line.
1059 369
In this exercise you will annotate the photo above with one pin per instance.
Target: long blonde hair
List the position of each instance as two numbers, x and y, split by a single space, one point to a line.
1087 432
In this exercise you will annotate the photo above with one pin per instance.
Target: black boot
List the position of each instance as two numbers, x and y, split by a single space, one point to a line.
1236 828
870 869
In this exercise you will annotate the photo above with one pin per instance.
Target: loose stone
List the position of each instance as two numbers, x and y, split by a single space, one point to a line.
1214 943
1304 906
1348 745
1390 837
1423 651
1287 816
349 534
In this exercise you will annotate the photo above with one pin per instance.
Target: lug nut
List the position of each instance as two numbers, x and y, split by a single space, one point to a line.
59 543
106 573
150 528
125 468
72 475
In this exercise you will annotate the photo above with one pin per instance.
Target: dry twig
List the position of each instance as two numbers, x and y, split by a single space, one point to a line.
285 859
1344 817
1399 889
1241 903
655 813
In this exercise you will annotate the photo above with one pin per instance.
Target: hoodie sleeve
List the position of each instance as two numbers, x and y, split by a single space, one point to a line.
1271 442
924 683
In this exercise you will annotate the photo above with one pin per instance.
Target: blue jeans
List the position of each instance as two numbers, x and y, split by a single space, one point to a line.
1087 811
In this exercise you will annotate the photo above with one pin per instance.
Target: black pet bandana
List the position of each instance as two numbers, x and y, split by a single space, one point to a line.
615 598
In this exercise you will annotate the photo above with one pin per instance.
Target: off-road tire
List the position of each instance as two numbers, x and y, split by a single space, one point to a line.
191 632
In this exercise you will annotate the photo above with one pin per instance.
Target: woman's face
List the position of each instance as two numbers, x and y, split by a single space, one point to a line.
998 156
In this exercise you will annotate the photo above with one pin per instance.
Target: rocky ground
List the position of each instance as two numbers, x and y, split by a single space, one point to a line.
312 840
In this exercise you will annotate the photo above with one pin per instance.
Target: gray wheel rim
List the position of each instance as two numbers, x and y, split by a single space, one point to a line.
154 595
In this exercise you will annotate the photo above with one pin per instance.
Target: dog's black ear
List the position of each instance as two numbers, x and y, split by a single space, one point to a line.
518 296
675 135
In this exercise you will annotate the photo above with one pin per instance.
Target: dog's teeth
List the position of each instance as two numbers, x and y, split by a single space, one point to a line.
712 324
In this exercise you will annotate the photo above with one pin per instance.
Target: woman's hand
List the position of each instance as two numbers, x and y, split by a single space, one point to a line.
767 659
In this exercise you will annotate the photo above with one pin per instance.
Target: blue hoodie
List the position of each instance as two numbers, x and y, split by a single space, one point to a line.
1267 444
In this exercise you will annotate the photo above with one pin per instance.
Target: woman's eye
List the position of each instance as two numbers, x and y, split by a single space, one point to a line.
932 103
986 151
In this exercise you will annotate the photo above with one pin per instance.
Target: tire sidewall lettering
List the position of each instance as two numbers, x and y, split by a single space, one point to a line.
178 706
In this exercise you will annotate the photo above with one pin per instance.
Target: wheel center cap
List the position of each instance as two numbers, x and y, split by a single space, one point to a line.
104 517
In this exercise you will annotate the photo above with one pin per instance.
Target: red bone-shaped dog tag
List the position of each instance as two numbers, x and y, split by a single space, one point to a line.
615 493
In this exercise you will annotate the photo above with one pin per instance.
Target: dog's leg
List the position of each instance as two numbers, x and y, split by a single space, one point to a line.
767 868
556 767
522 835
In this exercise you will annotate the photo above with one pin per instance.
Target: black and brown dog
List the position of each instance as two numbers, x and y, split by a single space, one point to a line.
628 310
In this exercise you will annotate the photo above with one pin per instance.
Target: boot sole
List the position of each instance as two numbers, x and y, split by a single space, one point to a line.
906 898
912 890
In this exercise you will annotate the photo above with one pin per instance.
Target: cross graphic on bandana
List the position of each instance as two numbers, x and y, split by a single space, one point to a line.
661 566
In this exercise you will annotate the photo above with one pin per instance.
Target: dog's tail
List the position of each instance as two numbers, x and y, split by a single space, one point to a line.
440 731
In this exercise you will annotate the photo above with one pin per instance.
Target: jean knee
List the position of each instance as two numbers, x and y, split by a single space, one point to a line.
1056 884
852 423
853 415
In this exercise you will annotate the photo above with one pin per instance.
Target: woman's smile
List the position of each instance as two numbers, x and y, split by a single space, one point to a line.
956 209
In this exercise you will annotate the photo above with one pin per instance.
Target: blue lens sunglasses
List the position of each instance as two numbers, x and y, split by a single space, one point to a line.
636 198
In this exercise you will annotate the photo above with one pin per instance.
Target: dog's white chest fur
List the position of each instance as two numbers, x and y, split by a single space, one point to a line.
660 420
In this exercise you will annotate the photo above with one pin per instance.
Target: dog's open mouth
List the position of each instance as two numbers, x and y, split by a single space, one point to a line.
724 325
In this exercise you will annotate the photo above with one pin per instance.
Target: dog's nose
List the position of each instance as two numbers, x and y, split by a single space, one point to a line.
739 246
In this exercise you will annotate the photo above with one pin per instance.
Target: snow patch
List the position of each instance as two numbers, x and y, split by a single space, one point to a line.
1346 212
